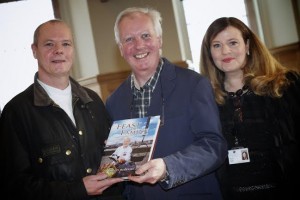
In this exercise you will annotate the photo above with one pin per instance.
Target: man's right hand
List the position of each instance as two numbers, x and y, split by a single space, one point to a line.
96 184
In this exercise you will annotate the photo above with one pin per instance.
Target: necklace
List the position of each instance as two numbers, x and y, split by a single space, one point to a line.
238 93
237 100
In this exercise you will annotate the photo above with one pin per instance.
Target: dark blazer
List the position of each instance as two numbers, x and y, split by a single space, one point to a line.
190 139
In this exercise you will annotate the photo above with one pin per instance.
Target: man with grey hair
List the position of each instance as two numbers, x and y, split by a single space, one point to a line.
190 145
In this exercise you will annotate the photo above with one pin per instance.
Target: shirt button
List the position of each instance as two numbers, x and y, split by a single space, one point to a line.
89 170
80 133
68 152
40 160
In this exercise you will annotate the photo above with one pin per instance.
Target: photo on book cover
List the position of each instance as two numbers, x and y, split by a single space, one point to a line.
130 144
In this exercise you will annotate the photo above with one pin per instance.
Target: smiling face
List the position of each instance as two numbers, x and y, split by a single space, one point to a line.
54 51
139 44
229 50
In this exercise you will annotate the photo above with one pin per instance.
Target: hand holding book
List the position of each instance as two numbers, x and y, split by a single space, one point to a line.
129 145
153 171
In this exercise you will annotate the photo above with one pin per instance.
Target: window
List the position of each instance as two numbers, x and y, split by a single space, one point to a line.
18 21
200 14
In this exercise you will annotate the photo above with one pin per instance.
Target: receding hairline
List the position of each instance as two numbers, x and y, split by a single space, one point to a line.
52 21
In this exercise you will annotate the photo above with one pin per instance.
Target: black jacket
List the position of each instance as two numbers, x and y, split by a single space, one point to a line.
43 154
270 129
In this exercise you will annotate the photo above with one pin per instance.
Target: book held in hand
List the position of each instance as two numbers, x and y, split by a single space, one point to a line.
130 144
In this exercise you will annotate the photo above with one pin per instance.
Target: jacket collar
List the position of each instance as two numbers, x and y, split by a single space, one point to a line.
168 78
41 98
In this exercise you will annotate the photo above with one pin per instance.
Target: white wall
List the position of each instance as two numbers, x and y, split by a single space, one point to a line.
17 65
278 22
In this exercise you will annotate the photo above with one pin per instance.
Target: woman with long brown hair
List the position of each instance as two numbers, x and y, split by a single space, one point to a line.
258 100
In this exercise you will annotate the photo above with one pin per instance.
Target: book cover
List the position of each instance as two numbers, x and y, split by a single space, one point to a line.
130 144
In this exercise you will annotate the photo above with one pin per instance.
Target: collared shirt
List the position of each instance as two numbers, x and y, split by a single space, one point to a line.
142 96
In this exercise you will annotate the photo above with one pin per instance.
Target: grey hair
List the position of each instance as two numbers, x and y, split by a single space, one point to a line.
152 13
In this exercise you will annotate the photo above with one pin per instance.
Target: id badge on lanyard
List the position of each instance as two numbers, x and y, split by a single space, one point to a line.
238 155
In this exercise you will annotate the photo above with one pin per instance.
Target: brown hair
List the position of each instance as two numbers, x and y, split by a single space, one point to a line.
262 72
